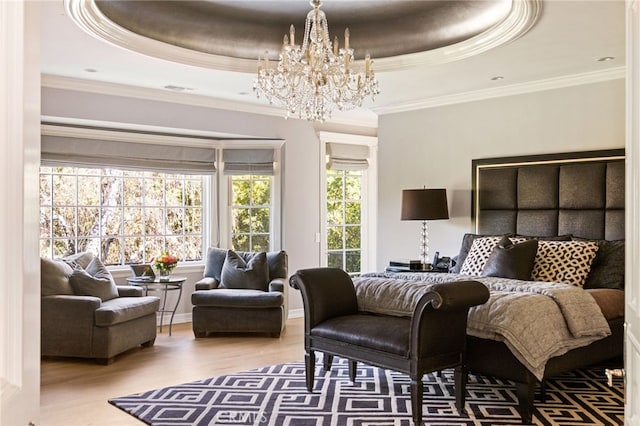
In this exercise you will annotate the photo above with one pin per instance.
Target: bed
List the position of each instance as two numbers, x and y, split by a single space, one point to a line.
570 209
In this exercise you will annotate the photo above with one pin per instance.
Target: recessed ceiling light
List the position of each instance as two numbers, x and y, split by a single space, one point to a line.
91 70
606 59
498 77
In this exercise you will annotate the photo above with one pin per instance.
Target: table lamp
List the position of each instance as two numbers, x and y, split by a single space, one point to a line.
424 204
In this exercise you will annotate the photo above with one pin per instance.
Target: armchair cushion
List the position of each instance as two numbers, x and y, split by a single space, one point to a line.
238 298
54 277
123 309
236 273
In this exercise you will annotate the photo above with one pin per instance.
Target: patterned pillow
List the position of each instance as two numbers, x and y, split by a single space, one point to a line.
564 261
478 255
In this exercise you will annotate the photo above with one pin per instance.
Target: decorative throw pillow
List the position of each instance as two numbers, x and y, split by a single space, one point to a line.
236 273
478 255
564 261
54 277
607 269
465 247
85 284
81 259
510 260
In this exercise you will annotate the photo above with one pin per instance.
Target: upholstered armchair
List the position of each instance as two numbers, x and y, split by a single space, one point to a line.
241 292
85 314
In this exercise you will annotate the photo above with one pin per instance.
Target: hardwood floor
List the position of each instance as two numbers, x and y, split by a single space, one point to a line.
75 391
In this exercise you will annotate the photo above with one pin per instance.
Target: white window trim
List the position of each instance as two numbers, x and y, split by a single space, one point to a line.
369 203
224 196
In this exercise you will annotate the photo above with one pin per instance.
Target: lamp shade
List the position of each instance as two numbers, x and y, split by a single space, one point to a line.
424 204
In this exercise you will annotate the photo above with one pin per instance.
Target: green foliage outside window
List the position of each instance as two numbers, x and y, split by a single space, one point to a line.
251 212
344 219
121 216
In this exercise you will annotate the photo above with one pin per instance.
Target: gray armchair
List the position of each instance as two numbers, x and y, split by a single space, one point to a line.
84 314
241 292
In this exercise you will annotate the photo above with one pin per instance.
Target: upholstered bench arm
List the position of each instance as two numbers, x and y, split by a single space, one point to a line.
130 291
459 295
439 321
326 293
206 283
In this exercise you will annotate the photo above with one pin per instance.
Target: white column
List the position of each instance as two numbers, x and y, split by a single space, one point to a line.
19 225
632 218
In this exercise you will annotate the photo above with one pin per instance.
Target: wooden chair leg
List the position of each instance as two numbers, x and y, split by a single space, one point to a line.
460 377
416 399
353 369
310 366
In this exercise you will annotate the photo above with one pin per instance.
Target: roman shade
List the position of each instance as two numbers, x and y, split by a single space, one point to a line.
65 151
248 161
344 156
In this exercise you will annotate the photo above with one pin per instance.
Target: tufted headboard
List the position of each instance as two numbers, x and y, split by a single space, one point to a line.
579 193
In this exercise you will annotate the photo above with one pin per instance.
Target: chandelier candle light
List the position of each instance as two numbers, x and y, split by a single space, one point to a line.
310 79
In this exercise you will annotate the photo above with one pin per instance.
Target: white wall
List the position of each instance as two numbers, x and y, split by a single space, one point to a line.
434 147
19 160
300 157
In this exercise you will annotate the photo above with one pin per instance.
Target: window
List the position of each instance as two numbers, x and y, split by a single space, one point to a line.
344 220
128 196
348 191
251 208
121 216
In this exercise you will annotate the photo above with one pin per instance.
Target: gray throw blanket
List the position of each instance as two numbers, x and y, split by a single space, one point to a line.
536 320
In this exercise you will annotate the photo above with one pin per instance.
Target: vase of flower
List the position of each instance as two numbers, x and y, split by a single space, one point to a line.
164 264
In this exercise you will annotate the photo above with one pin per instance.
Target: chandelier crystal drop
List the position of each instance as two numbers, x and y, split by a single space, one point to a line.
313 78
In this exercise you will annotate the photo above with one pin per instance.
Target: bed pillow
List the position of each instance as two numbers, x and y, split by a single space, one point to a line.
607 269
236 273
479 254
564 261
465 247
509 260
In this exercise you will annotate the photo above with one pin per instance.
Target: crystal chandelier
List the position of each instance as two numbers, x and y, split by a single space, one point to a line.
310 79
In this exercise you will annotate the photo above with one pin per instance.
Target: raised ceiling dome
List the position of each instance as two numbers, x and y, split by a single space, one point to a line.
230 34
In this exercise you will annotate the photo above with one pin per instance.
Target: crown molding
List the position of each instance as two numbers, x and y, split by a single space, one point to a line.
363 118
514 89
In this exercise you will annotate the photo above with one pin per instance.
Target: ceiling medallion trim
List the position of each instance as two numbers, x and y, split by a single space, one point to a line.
86 14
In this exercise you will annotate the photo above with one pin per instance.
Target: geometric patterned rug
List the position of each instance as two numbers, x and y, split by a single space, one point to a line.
277 396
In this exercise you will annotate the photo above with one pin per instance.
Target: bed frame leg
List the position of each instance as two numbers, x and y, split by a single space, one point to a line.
310 366
543 391
526 393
